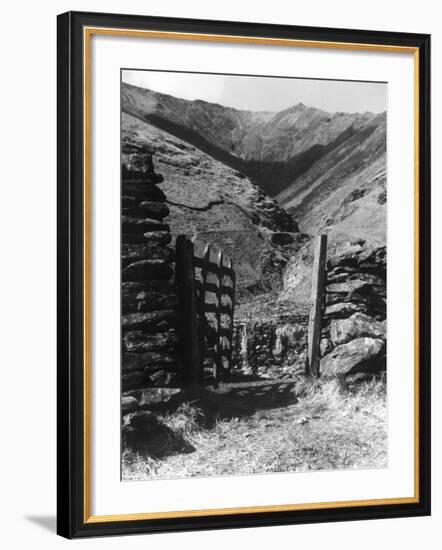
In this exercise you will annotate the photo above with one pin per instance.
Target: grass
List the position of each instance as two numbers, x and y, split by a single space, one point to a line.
317 425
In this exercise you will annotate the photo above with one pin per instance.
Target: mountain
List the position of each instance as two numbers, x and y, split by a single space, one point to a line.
211 202
344 192
223 167
273 149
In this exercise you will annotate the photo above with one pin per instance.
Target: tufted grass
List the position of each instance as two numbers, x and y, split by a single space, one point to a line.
325 426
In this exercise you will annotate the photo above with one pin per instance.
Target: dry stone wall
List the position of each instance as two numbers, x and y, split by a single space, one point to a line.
150 310
274 347
353 343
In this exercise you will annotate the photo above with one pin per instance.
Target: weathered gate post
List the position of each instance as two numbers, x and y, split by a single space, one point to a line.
317 306
185 280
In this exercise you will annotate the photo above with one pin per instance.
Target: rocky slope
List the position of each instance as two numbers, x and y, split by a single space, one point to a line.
211 202
327 170
274 149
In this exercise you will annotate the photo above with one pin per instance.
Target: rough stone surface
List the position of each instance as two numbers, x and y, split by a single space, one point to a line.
141 290
143 251
358 355
147 269
142 225
154 209
325 346
158 237
357 326
128 403
149 361
143 341
163 320
275 347
342 310
153 396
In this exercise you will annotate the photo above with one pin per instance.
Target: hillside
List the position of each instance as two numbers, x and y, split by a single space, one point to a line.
345 191
221 166
214 203
274 149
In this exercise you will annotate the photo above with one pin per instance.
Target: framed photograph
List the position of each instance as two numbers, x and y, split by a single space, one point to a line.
243 226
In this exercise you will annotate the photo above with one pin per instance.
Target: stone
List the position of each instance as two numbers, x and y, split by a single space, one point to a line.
138 340
143 192
138 164
370 278
358 355
147 269
156 321
160 358
163 378
128 202
325 346
342 310
368 302
158 237
141 290
374 257
128 403
349 286
155 209
132 380
347 256
356 326
131 362
144 251
283 238
141 225
158 301
152 396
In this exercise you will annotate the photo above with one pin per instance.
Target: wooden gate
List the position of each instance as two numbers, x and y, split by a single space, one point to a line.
206 286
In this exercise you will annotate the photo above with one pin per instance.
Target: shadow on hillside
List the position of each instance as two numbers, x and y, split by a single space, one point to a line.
226 402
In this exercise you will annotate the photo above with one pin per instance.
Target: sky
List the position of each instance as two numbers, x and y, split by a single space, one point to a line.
265 93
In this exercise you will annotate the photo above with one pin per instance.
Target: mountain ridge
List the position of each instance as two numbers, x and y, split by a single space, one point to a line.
273 148
248 182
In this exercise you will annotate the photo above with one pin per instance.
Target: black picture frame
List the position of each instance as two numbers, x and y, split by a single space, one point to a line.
72 522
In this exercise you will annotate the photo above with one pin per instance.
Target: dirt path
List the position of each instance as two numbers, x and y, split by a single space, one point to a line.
320 426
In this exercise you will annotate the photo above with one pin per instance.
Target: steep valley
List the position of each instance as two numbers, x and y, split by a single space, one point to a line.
244 179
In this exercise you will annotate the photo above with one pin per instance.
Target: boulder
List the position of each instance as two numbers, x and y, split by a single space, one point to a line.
358 325
358 355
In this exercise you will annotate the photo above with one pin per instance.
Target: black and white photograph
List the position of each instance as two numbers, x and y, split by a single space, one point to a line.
253 260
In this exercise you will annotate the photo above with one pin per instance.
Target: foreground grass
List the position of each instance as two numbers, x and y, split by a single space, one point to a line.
325 426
